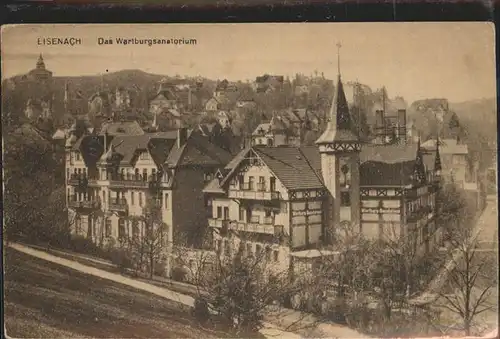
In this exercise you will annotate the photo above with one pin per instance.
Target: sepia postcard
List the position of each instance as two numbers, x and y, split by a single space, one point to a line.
308 180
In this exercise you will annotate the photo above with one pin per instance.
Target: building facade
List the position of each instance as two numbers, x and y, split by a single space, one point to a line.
111 178
273 133
290 202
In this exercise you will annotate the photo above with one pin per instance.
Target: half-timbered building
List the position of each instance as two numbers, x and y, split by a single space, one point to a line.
290 201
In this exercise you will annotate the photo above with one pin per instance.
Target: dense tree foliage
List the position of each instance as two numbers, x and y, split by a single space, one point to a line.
34 196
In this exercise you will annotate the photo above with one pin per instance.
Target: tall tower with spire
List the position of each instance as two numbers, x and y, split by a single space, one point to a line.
40 72
40 64
340 148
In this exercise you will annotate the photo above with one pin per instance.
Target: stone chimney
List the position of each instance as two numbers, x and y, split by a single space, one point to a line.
402 125
379 123
182 136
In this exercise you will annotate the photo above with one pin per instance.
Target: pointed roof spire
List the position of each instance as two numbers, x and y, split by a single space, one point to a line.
419 168
437 159
339 45
40 64
339 124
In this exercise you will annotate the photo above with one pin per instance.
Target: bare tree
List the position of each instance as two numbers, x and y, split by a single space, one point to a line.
473 280
454 212
370 275
241 288
147 242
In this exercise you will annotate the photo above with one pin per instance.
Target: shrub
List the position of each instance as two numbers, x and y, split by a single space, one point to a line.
179 274
160 269
121 259
84 245
359 315
200 310
337 311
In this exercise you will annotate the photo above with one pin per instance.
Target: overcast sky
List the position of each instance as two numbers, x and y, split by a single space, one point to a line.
414 60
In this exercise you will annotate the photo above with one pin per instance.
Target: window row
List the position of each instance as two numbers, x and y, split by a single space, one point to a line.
307 205
122 175
136 198
307 219
251 184
247 214
225 246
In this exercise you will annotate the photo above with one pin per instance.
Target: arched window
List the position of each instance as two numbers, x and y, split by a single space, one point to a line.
137 174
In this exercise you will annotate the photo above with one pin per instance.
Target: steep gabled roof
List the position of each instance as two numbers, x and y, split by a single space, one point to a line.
205 129
213 187
339 126
121 128
290 166
392 165
197 150
167 93
275 125
60 134
129 146
376 173
300 167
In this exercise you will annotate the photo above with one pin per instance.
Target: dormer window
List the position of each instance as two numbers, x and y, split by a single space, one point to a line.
144 156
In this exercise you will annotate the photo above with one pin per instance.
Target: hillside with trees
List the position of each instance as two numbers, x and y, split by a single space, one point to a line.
479 118
17 90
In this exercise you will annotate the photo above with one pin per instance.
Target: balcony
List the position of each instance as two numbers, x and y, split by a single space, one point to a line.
83 204
217 223
128 183
118 205
246 191
81 180
132 181
77 180
255 225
